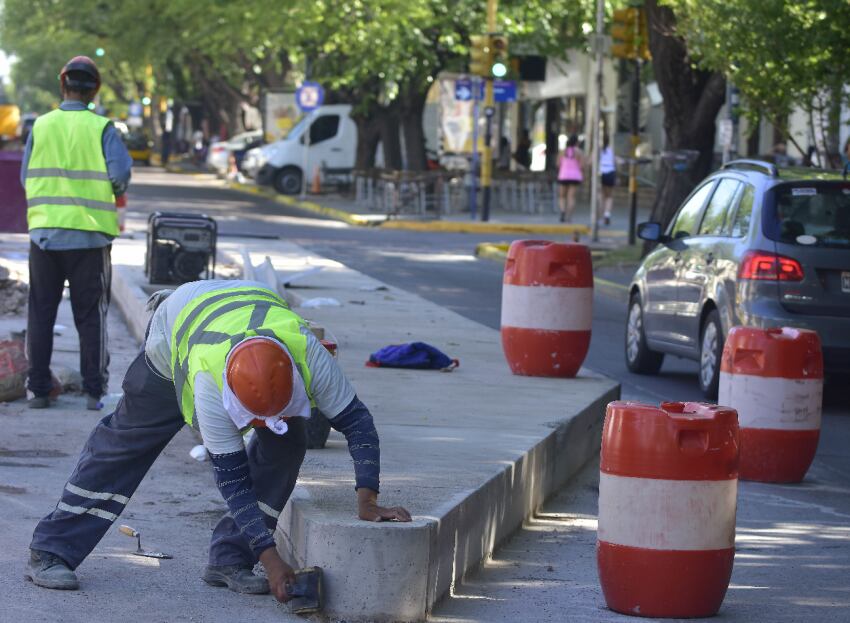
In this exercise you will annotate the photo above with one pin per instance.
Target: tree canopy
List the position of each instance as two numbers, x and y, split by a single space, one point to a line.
781 55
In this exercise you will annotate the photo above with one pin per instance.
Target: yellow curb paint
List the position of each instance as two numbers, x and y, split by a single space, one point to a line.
610 284
485 228
437 226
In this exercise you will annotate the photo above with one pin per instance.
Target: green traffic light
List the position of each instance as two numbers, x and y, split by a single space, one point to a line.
146 101
500 70
99 52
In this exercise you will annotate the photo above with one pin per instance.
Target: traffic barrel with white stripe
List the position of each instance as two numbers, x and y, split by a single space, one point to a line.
668 483
547 307
773 378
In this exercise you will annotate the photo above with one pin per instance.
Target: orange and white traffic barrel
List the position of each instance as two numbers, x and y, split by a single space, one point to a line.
773 378
547 307
668 483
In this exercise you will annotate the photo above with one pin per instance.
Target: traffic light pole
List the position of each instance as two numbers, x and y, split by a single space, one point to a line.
635 140
489 109
473 174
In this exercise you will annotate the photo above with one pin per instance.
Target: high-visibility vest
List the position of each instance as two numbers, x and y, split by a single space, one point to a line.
212 324
67 183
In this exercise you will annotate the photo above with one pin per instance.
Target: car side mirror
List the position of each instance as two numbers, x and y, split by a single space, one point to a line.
651 231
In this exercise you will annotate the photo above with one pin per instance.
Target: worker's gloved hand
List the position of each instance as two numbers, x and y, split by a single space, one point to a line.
279 573
368 509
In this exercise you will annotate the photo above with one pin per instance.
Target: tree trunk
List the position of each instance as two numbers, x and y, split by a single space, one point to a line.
380 124
389 121
553 129
692 100
411 114
368 137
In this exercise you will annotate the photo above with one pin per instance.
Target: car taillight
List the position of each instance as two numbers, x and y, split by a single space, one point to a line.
770 267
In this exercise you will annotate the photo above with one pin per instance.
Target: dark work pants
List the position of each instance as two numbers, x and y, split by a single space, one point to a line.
89 275
121 450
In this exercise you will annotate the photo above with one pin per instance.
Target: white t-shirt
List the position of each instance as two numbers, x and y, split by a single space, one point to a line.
607 162
330 389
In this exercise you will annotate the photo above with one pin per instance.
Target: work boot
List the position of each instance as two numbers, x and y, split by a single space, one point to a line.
93 403
38 402
238 578
50 571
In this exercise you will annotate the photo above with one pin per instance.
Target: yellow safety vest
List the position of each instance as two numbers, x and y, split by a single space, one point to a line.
67 184
212 324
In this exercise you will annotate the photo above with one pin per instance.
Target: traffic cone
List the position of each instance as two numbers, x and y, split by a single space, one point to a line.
316 187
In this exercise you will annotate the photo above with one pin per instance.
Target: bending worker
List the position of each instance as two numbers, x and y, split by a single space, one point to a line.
219 356
73 167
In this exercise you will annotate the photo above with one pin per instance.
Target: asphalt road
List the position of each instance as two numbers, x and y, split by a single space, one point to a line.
793 541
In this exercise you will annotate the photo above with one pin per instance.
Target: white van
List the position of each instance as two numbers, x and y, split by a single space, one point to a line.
332 145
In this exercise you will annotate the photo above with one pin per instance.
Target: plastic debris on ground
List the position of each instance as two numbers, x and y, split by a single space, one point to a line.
321 302
199 453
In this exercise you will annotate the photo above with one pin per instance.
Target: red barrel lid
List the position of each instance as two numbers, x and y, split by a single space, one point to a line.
675 441
782 352
545 263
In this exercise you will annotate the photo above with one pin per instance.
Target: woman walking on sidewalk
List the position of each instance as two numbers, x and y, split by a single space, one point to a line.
608 171
570 175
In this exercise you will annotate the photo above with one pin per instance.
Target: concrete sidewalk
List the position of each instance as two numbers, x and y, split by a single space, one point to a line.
470 454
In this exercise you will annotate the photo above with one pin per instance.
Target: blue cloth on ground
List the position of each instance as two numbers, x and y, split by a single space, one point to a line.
417 355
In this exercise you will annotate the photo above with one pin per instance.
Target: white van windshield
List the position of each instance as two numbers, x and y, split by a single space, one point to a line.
297 130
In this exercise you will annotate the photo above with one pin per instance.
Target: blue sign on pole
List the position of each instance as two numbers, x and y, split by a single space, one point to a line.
309 96
504 90
134 109
463 90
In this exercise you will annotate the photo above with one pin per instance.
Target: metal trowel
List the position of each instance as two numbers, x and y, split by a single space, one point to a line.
306 593
133 533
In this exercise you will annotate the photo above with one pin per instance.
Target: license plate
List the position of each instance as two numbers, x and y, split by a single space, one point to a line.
845 281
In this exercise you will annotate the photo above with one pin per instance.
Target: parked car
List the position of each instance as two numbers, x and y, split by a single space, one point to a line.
332 144
752 245
139 145
218 157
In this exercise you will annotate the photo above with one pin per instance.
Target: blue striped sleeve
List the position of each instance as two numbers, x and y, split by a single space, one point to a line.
233 478
355 422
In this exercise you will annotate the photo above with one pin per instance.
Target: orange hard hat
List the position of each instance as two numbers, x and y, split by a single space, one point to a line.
259 372
82 65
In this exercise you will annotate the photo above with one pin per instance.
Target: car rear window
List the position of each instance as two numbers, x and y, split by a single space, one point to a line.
809 214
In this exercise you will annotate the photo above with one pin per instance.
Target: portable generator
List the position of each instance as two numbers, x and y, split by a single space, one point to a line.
180 247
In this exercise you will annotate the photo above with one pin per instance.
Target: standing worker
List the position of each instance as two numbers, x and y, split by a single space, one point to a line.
219 356
74 165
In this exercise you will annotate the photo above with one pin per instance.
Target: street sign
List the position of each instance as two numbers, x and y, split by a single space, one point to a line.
134 109
309 96
463 90
504 90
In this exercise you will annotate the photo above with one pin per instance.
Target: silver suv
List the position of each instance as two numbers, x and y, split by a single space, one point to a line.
752 245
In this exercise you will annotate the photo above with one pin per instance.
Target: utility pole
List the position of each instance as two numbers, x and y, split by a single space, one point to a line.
489 110
596 120
729 126
476 157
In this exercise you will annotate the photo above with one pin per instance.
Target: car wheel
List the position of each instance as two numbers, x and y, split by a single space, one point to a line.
287 181
639 358
710 352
